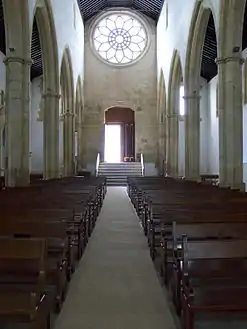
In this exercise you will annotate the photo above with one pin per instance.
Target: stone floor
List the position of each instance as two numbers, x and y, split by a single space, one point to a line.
115 285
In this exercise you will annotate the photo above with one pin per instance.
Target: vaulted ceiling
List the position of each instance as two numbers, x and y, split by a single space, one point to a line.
151 8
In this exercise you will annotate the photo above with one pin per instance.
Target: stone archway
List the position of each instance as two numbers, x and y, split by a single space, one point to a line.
199 23
79 122
125 117
50 89
173 115
67 94
161 119
17 96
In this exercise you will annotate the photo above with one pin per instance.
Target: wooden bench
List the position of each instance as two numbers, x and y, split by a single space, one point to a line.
58 249
64 213
193 231
213 277
171 208
23 295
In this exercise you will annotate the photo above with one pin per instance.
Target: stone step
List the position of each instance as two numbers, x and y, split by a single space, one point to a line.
117 173
126 173
121 167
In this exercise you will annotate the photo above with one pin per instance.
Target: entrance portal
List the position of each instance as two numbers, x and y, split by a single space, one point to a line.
112 143
120 130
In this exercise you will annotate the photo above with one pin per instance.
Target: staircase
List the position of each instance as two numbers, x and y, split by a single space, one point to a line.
117 173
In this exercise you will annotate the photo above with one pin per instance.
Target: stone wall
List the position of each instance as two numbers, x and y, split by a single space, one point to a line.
132 86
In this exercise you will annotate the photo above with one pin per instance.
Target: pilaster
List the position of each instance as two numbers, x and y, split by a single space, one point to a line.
69 143
230 122
192 136
172 156
51 135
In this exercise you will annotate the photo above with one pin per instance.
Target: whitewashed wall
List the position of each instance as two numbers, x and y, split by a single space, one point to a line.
68 34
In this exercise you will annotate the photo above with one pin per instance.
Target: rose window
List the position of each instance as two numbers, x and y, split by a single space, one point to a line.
120 38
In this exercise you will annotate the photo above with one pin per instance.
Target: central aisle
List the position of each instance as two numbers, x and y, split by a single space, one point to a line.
115 286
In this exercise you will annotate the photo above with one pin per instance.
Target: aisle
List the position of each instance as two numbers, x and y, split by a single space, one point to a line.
115 286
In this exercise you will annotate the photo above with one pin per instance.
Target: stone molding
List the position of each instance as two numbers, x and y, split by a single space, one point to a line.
51 95
16 59
193 96
228 59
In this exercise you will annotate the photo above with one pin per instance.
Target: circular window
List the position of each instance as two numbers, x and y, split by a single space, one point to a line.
120 38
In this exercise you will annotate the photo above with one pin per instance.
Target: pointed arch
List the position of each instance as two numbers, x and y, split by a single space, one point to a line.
68 111
231 14
173 102
161 97
161 120
78 124
174 82
67 80
17 28
198 27
78 101
48 39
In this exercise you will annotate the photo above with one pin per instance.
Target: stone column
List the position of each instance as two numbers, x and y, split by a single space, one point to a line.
17 120
192 136
230 122
51 135
69 144
172 143
161 148
80 140
2 125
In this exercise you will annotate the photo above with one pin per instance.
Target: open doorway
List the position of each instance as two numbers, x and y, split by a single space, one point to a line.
112 143
119 134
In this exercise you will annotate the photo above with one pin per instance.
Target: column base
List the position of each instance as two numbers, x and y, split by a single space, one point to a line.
235 187
17 178
192 178
51 174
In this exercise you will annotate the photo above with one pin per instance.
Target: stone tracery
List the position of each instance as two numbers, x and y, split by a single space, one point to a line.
120 38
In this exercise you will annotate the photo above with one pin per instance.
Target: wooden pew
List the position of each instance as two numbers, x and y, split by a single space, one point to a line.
58 249
213 278
23 295
195 208
193 231
64 212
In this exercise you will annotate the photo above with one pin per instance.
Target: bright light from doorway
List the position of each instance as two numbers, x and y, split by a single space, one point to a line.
113 143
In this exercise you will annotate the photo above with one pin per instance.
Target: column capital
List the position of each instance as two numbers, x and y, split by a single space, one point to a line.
68 114
51 95
170 116
227 59
16 59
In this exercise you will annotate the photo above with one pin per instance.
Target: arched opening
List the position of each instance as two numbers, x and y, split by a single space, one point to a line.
68 115
119 134
161 119
176 148
45 94
209 116
201 125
